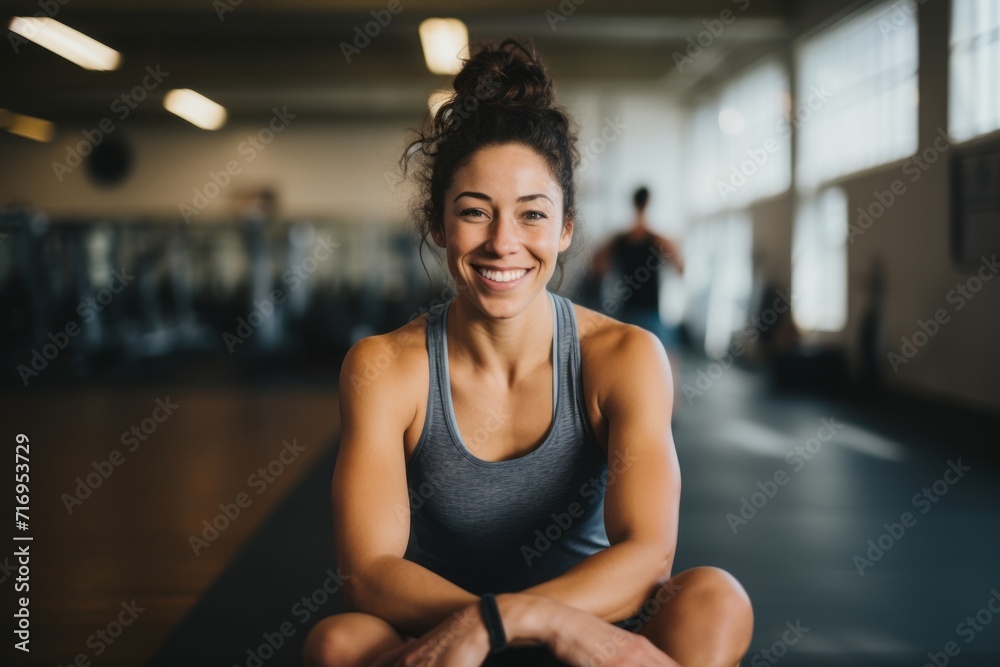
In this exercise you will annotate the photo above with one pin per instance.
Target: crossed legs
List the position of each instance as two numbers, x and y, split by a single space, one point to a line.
701 617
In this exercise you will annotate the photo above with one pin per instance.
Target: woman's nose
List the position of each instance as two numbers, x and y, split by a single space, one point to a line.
503 239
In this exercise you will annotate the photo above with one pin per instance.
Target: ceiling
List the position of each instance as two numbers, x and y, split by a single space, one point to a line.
252 55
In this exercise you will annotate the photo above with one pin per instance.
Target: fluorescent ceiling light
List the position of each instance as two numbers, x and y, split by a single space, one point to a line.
195 108
28 127
66 42
445 43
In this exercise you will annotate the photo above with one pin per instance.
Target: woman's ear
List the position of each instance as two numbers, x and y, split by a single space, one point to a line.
437 233
566 236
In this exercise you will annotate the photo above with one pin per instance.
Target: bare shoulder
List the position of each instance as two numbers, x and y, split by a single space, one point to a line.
387 363
604 337
614 353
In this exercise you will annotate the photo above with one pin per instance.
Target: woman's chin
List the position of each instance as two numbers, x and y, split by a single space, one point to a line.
503 305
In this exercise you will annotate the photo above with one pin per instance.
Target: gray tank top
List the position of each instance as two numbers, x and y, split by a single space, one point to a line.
501 526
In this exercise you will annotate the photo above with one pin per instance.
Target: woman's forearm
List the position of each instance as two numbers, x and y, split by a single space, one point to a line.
407 595
611 584
415 600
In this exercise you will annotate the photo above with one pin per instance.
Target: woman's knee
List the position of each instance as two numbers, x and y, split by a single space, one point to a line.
713 583
713 602
326 643
716 588
348 640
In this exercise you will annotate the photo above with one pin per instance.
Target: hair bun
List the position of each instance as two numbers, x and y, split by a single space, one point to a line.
508 74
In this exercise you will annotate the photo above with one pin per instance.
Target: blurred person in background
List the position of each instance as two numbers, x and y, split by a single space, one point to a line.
631 262
469 431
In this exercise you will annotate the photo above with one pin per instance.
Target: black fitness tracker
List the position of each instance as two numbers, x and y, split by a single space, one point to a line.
494 625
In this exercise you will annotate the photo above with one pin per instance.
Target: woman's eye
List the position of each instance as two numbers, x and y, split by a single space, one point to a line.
471 213
535 215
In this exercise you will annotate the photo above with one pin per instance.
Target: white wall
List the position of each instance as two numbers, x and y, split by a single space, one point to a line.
316 169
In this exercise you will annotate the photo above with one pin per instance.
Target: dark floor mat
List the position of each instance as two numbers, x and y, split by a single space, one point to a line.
259 610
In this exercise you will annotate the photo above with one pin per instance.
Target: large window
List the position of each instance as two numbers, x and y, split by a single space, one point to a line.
861 75
974 98
819 262
718 279
740 141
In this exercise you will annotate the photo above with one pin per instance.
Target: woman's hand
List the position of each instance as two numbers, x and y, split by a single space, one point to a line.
584 640
458 641
574 637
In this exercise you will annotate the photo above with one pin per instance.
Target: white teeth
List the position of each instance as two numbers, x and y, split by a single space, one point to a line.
503 276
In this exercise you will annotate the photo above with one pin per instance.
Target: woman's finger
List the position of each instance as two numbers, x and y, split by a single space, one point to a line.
392 656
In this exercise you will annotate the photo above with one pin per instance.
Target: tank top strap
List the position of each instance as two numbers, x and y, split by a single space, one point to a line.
435 415
570 373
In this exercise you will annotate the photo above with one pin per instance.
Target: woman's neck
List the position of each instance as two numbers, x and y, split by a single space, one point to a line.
502 347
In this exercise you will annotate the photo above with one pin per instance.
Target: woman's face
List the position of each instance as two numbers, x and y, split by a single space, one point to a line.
503 228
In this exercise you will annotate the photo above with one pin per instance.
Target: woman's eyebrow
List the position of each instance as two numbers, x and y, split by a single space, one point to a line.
525 198
485 197
476 195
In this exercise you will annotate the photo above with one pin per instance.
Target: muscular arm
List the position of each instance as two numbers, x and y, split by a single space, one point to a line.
371 506
643 490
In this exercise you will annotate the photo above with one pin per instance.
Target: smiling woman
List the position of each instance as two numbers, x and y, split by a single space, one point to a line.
510 480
